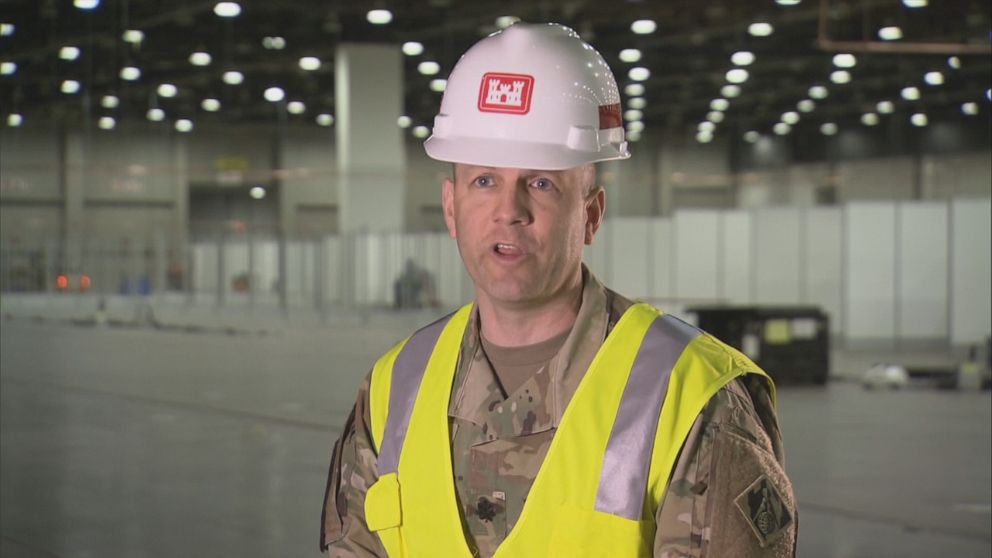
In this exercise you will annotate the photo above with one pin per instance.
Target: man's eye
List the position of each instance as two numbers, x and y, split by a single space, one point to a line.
483 181
542 184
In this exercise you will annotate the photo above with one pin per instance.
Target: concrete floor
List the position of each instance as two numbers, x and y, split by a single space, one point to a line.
136 442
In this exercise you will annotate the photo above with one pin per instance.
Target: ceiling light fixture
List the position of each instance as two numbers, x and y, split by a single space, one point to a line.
969 108
274 94
787 2
869 119
635 126
742 58
109 101
704 137
737 75
637 103
274 43
421 131
890 33
760 29
428 68
644 26
720 104
8 68
933 78
845 60
632 114
233 77
200 58
633 136
69 53
503 22
438 85
914 3
86 4
184 125
715 116
910 93
155 114
781 128
227 9
885 107
106 123
751 136
730 91
14 120
639 73
167 90
790 117
818 92
828 128
954 62
919 119
210 104
706 126
296 107
256 192
325 119
130 73
133 36
840 77
404 121
379 17
806 105
412 48
634 89
309 63
70 87
630 55
6 29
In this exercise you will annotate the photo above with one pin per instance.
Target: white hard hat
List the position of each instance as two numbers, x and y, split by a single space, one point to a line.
532 96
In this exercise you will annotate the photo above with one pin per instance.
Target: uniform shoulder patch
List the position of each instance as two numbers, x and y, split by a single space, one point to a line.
764 510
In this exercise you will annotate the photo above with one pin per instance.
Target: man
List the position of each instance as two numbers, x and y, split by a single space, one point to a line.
551 417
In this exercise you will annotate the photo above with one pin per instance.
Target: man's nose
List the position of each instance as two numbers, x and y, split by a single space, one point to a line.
513 205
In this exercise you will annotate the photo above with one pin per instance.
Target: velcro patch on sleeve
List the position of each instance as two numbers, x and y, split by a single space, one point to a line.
764 510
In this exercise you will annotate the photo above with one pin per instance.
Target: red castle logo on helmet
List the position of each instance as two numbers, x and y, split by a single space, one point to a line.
506 93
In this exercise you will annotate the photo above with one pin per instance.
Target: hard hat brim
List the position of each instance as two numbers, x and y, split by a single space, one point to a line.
497 153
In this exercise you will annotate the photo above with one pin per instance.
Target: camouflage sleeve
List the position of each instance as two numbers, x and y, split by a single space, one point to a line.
343 531
729 495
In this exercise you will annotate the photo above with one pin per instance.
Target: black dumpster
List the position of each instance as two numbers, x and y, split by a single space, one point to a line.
791 343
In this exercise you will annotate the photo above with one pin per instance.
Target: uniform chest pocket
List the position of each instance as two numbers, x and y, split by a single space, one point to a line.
581 533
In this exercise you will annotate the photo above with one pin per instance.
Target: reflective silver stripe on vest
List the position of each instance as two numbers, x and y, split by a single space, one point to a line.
408 371
623 481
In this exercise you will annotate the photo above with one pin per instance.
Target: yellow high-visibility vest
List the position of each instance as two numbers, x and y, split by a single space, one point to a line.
609 463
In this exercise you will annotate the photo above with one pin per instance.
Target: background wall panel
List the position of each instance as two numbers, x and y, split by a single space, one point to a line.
777 242
823 272
697 245
870 267
923 270
971 271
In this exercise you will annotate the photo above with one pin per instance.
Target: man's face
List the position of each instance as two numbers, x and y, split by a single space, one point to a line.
521 232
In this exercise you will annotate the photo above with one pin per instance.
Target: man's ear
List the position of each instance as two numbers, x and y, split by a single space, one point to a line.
595 209
448 206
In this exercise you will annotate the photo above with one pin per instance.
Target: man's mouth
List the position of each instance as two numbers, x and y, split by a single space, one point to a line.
507 249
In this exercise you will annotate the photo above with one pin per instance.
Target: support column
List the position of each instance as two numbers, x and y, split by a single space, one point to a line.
371 159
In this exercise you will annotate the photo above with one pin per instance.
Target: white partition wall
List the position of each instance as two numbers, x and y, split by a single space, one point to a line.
631 264
777 255
883 271
823 271
697 246
736 254
921 280
869 279
662 252
971 271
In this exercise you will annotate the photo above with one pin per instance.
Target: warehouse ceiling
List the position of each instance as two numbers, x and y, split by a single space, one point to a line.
935 63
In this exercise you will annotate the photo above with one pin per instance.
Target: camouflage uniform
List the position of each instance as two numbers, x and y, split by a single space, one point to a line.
728 495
